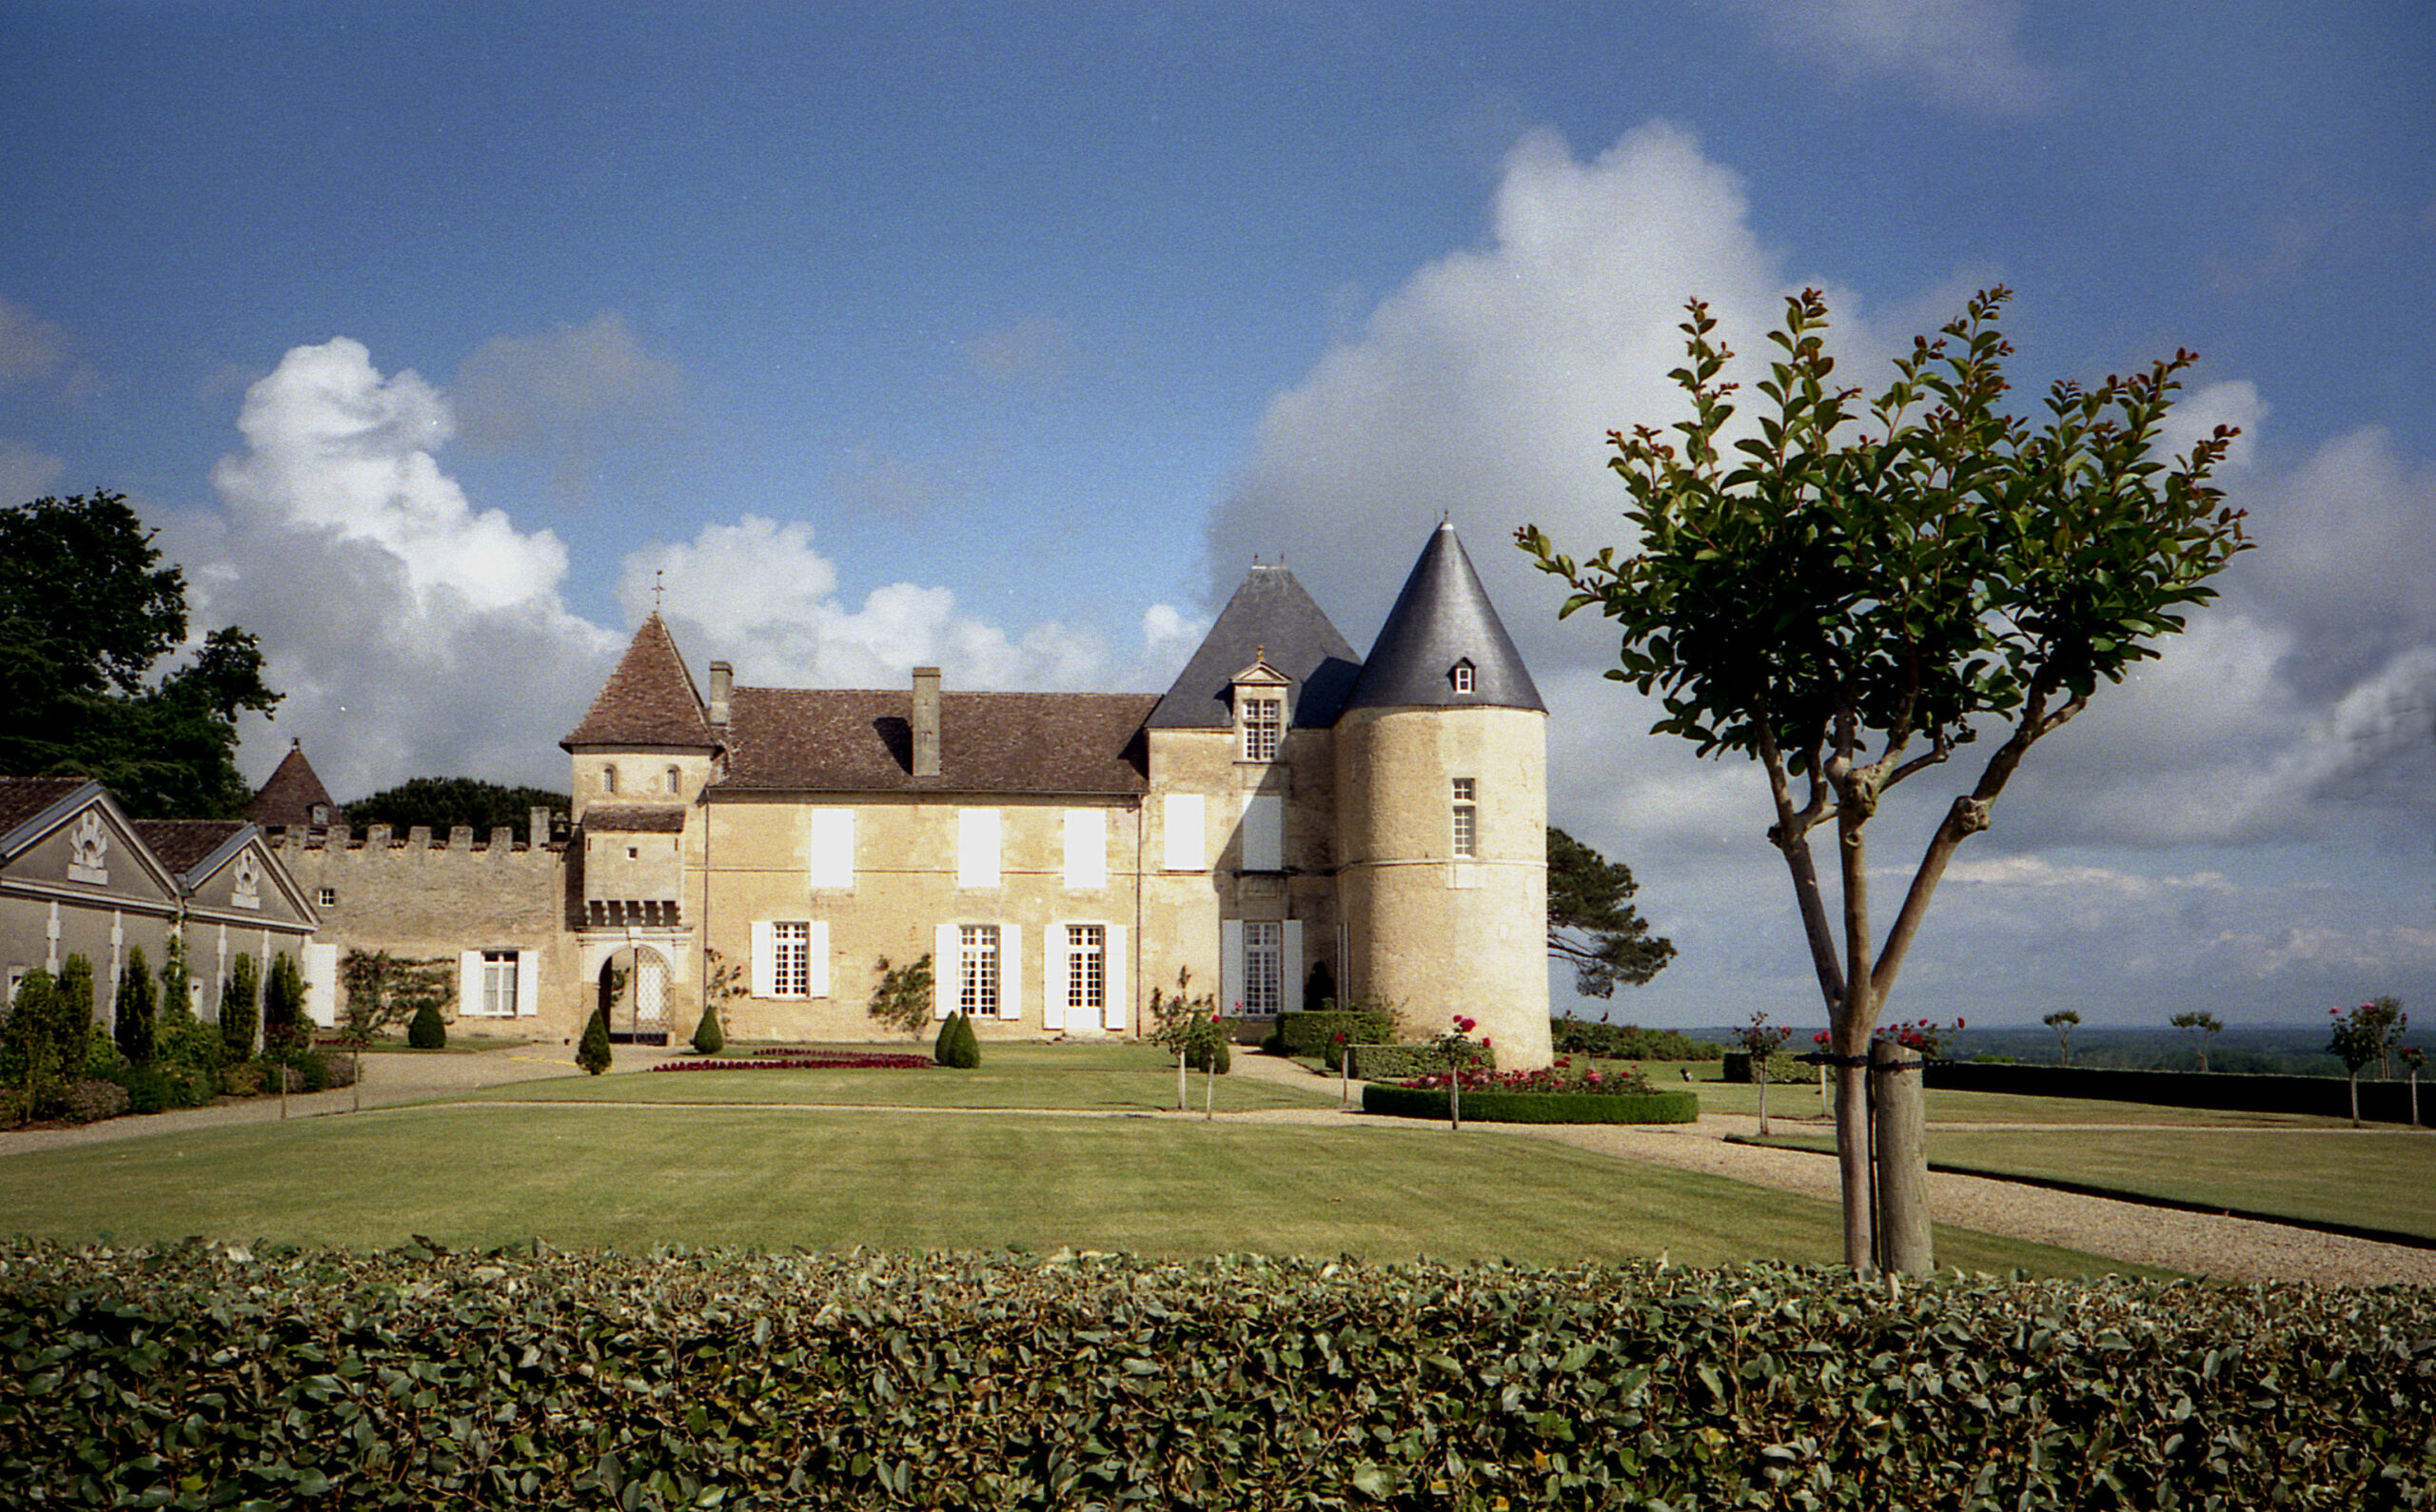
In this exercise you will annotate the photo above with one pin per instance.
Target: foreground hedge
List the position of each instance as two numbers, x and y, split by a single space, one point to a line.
1389 1063
1535 1107
209 1377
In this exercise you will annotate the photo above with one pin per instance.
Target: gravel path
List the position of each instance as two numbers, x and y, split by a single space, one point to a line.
2237 1249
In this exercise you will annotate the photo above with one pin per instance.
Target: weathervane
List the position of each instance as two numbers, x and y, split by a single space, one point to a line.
657 587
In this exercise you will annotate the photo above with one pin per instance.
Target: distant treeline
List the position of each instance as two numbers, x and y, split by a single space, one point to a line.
443 802
2296 1050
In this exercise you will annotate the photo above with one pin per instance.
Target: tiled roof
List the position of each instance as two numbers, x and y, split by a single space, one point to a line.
21 798
288 796
820 740
634 818
181 843
649 701
1444 617
1269 616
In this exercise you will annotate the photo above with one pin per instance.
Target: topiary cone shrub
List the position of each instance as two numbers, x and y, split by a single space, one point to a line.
426 1031
709 1039
592 1052
1200 1056
958 1047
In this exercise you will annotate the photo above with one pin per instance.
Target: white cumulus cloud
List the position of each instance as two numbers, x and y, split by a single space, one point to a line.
1966 53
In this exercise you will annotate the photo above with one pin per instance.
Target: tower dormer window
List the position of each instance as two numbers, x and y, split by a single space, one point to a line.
609 780
1461 675
1263 723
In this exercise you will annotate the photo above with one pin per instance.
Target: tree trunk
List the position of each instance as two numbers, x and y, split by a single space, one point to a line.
1762 1077
1184 1093
2355 1097
1210 1087
1852 1157
1902 1162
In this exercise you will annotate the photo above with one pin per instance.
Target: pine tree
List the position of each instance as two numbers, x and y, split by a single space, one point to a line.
592 1053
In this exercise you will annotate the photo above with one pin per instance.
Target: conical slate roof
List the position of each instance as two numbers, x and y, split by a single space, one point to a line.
290 796
1269 616
649 701
1444 618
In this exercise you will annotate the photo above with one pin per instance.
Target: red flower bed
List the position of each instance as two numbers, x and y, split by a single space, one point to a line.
1559 1077
786 1060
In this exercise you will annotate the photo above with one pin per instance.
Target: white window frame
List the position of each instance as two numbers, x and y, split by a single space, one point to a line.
480 972
1263 726
1464 676
1463 821
790 958
980 971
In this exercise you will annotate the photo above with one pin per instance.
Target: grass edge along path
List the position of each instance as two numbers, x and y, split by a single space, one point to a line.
633 1177
2197 1174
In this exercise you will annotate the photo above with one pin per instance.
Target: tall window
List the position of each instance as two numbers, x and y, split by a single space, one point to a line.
1264 721
1466 819
676 780
609 780
1263 966
499 984
977 977
791 959
1087 976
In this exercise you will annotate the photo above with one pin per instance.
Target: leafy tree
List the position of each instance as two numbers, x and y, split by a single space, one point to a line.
445 802
31 1038
2367 1034
592 1052
722 984
1853 593
384 991
1591 924
87 612
240 1010
902 999
1183 1025
1761 1040
2204 1027
2063 1021
132 1022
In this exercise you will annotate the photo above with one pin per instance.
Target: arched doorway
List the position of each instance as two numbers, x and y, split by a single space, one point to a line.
634 995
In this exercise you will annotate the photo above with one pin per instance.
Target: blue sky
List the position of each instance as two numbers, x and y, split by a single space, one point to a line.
1005 336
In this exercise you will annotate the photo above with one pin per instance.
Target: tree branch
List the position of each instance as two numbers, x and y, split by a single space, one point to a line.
1791 838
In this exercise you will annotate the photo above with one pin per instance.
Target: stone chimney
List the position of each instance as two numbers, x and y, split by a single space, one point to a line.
926 721
722 688
536 827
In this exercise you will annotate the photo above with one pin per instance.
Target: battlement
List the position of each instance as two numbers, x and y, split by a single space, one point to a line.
378 838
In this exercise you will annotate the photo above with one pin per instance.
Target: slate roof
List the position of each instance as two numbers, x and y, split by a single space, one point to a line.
183 844
23 798
861 740
1269 616
1442 616
650 700
288 795
634 819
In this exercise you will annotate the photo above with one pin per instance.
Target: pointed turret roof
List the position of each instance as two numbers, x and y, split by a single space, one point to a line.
290 796
649 701
1442 619
1269 616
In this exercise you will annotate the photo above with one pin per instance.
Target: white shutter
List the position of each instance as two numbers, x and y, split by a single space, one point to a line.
1086 847
1011 972
1230 964
830 849
816 958
946 971
976 848
1057 973
765 960
1112 1013
321 983
1263 833
1290 987
1182 815
528 983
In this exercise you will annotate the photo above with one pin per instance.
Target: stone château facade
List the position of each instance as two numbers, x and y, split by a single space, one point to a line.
1057 856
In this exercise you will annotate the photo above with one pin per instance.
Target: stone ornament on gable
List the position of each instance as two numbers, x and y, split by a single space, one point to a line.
89 851
247 892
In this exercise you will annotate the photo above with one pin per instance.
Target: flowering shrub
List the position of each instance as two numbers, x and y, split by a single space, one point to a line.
1924 1034
783 1060
1559 1077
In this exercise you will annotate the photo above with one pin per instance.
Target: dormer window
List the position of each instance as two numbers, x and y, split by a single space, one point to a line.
1461 676
1263 721
321 814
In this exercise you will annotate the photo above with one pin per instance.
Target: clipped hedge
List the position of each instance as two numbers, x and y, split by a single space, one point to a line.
215 1377
1315 1033
1487 1107
1392 1063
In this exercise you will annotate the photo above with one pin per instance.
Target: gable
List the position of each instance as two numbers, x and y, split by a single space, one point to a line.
87 849
248 883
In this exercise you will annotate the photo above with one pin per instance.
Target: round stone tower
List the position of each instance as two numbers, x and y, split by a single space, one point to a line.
1442 815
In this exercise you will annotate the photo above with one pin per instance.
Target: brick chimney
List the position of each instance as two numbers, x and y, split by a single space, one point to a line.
723 687
926 721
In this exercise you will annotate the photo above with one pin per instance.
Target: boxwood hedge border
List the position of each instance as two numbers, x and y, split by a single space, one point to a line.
1491 1106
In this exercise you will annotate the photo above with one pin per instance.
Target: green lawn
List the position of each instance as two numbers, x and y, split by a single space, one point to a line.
1083 1078
632 1177
2369 1178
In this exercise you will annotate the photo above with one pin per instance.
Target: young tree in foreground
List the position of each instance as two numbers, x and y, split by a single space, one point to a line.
1855 591
592 1052
1761 1040
2063 1021
2205 1026
1591 924
2367 1034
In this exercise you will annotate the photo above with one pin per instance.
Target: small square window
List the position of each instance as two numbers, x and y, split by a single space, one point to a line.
326 897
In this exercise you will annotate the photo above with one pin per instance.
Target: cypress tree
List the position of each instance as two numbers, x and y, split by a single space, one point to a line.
709 1039
72 1023
31 1035
592 1052
133 1024
964 1053
283 1023
943 1047
240 1010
